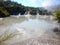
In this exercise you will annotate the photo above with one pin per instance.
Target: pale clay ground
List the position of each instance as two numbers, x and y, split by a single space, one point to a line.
48 38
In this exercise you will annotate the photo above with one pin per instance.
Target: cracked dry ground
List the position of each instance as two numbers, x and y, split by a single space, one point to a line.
48 38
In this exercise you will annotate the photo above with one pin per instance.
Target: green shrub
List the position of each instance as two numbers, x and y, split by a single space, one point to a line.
57 14
4 12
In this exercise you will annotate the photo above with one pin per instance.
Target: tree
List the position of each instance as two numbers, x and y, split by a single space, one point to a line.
7 0
1 0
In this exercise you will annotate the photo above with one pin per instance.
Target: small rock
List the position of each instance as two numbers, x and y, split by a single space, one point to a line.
56 29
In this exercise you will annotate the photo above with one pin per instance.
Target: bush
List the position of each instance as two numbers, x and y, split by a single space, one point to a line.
57 12
33 12
3 12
